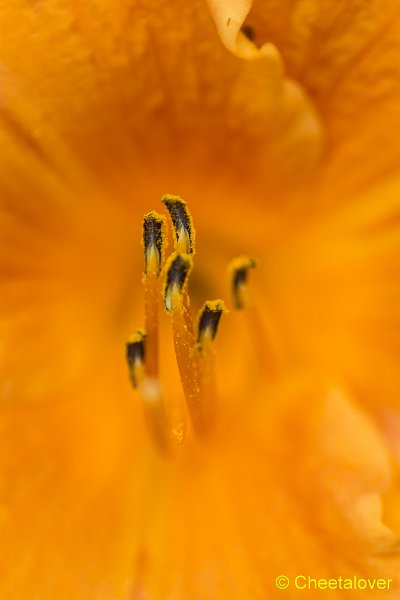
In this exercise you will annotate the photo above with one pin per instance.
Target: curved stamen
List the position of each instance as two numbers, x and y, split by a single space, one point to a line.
263 337
135 353
208 320
149 388
182 224
178 268
175 290
239 269
207 326
153 240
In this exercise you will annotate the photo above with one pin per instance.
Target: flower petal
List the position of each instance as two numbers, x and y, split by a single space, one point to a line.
293 488
345 54
114 85
332 291
229 17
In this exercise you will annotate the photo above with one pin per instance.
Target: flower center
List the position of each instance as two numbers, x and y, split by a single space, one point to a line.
165 282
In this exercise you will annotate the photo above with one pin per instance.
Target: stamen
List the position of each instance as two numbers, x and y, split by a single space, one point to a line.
182 223
178 269
149 388
208 321
135 353
153 242
239 269
154 249
263 339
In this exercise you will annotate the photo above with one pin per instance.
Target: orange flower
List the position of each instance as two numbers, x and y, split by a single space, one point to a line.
276 121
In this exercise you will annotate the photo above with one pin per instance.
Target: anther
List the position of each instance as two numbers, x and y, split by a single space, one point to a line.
135 354
149 388
264 339
248 32
182 223
153 242
178 269
239 269
208 320
207 326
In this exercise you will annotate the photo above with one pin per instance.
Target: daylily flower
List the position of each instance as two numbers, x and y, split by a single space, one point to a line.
276 122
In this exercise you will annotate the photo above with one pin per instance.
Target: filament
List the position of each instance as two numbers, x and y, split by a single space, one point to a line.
177 272
261 339
207 326
149 389
153 239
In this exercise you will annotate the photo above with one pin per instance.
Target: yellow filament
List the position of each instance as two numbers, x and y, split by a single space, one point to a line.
185 355
150 391
153 259
262 339
242 264
207 397
136 367
205 356
186 312
151 319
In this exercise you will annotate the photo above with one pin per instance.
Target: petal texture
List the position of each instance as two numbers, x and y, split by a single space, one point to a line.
346 55
282 491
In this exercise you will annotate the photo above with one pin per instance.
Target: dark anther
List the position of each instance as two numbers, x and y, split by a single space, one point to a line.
248 32
209 319
153 237
135 352
177 273
181 221
239 280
